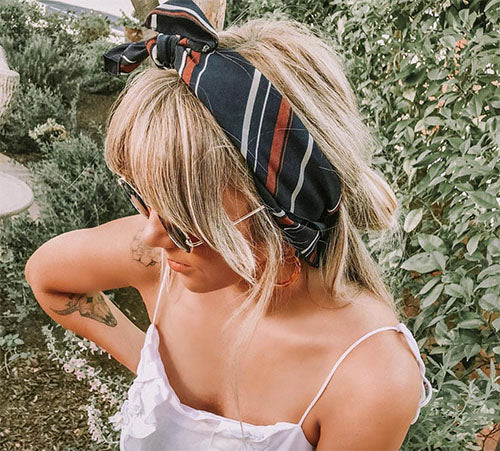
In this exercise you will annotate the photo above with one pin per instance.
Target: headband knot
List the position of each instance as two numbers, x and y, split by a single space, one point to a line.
162 49
295 180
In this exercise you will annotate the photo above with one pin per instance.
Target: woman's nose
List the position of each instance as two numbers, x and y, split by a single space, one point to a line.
154 234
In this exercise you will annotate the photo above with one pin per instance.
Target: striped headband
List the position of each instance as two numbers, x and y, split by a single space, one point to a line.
293 177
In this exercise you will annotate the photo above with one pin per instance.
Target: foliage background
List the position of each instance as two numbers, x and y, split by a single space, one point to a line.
427 78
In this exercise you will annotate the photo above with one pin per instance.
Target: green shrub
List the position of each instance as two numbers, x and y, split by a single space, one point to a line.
74 189
55 55
16 22
32 106
427 77
94 79
90 27
44 63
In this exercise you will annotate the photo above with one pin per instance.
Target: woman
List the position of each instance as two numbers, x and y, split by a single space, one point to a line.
271 321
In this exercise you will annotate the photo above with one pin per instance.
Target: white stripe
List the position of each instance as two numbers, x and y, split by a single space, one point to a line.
200 74
296 227
313 243
279 214
154 56
183 62
190 11
248 113
334 208
260 126
154 21
128 60
300 182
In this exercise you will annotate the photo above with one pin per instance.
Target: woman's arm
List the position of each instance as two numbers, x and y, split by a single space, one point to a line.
68 274
92 315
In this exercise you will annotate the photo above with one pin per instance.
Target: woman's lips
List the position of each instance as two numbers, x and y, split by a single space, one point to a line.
176 266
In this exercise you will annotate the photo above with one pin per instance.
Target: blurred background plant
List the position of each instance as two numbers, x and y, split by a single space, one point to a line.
426 75
59 60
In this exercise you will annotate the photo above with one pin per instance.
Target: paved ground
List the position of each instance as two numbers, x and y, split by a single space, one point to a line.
11 167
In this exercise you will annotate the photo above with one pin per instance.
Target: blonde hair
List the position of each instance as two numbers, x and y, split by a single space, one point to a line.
161 137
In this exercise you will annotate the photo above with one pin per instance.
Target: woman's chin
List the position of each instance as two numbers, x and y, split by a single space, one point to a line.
206 285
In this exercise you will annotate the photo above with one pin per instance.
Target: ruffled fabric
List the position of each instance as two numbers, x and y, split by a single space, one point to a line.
149 389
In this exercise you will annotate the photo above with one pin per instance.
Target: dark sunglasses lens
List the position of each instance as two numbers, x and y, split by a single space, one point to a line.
176 235
139 205
136 200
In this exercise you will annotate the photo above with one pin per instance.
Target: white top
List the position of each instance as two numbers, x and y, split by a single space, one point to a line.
154 419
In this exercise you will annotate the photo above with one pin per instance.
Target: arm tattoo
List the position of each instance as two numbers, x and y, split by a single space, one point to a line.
148 256
90 306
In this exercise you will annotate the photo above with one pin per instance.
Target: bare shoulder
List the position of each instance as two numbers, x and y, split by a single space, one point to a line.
374 394
141 263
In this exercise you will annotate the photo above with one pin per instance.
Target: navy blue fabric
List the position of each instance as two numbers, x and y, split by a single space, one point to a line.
293 177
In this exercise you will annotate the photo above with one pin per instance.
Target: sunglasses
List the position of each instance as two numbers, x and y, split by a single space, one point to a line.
178 237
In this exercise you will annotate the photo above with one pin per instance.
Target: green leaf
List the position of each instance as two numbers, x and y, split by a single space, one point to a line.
454 290
494 247
495 101
468 285
470 323
483 199
496 324
413 219
432 296
489 282
429 121
490 302
423 262
493 269
409 94
448 41
493 3
471 350
431 243
472 244
433 281
437 74
440 258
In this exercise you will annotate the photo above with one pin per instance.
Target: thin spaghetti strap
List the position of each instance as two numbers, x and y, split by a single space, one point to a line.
339 361
160 291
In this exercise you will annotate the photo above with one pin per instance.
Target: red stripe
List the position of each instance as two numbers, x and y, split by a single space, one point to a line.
183 42
128 68
192 61
282 159
312 257
336 209
285 220
275 155
149 44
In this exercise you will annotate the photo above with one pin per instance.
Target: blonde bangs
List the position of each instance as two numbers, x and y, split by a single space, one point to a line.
180 163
